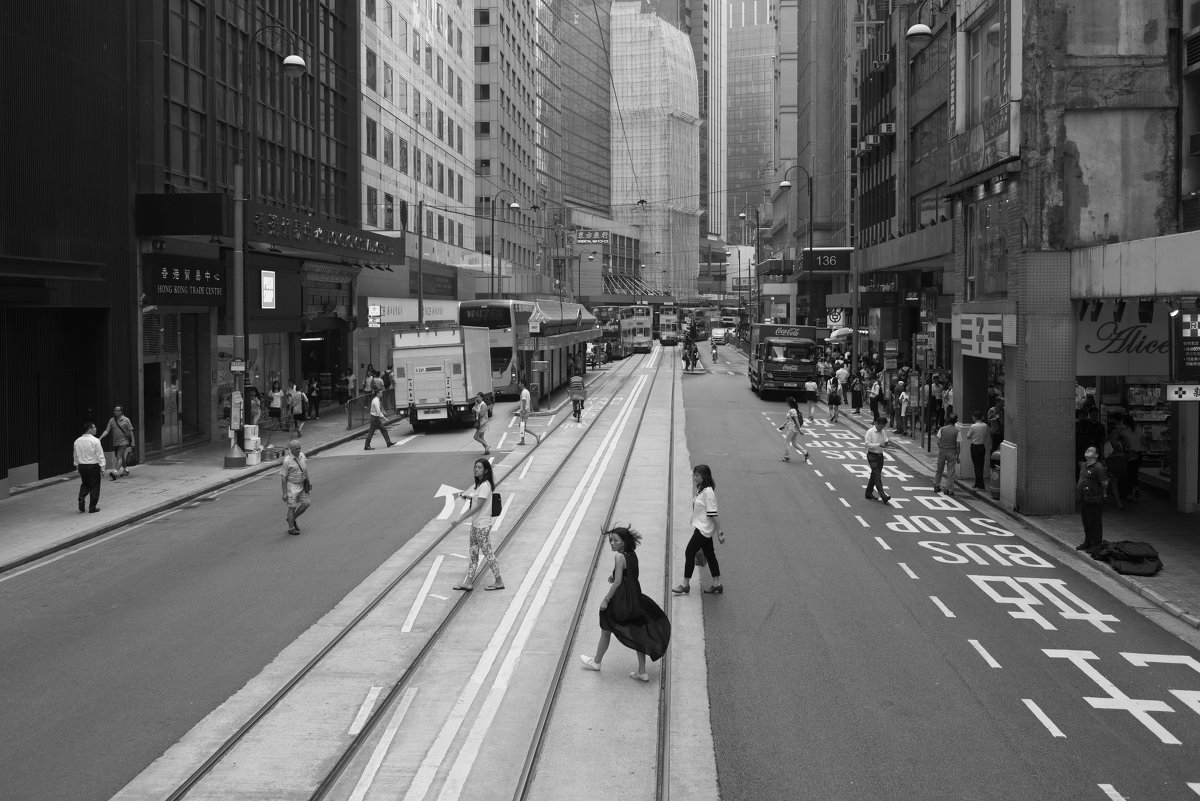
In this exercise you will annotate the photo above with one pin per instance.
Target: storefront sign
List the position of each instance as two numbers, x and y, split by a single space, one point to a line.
981 335
267 289
583 237
436 281
384 311
279 227
835 317
1187 347
826 260
1183 392
183 281
1125 348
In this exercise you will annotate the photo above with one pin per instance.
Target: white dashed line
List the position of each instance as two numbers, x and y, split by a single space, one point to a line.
883 543
1194 787
1040 715
907 570
831 487
938 601
845 502
524 470
1111 792
364 711
424 591
864 523
381 749
983 652
817 473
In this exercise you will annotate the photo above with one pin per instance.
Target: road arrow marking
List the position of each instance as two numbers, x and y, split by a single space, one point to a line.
447 492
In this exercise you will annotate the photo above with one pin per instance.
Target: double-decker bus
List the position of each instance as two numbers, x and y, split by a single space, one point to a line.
562 331
635 329
668 326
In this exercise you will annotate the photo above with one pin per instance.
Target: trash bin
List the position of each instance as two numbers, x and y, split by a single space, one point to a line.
535 396
993 482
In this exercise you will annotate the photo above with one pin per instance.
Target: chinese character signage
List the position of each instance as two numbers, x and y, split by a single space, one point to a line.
981 335
1183 392
1187 347
182 281
583 237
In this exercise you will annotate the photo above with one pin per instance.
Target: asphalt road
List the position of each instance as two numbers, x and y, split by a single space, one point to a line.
114 652
916 650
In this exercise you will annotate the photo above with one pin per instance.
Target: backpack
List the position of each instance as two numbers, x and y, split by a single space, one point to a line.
497 506
1129 558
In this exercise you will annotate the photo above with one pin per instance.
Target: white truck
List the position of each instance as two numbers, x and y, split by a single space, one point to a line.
439 372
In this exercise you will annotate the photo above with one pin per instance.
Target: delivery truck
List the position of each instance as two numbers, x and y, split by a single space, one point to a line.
439 372
782 357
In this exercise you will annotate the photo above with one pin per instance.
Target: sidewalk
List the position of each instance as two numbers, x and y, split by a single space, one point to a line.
1176 588
42 518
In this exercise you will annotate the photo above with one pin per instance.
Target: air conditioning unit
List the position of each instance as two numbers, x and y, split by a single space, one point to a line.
887 128
871 140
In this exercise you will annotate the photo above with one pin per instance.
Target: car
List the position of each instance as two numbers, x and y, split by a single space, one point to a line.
717 335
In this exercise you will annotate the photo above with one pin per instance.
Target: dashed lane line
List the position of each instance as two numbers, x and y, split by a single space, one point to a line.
938 602
364 712
883 543
1040 715
908 570
983 652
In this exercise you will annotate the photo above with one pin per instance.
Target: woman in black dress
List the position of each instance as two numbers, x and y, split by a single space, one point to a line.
636 620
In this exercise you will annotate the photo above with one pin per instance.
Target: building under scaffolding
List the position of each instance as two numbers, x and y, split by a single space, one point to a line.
656 145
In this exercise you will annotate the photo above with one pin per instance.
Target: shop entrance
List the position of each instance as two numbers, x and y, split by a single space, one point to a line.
323 356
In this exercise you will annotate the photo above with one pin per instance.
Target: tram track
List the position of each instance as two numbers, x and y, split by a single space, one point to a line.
253 721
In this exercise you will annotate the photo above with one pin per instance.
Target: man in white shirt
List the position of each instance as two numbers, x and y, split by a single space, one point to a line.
875 440
523 409
377 422
843 378
977 436
89 461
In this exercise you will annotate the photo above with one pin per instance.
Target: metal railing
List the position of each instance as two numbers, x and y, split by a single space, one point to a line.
358 408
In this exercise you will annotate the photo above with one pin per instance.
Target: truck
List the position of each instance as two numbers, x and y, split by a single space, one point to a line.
439 372
782 357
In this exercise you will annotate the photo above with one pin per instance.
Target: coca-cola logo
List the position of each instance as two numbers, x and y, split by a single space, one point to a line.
1117 339
787 332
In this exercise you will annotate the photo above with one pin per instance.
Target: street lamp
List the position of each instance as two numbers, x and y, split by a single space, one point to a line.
786 184
757 261
293 66
492 238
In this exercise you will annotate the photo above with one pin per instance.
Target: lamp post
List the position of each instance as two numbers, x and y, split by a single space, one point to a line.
786 184
492 238
757 261
293 66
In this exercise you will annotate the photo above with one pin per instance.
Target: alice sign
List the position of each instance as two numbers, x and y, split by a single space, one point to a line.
1126 348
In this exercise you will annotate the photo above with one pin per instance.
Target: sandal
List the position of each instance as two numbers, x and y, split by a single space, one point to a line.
497 585
463 587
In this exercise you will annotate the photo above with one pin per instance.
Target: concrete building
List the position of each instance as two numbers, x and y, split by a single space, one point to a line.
656 145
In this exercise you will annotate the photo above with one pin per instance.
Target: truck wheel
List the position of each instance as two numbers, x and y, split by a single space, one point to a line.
420 425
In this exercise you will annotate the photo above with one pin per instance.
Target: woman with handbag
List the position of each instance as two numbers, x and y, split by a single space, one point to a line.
705 524
293 475
636 620
480 514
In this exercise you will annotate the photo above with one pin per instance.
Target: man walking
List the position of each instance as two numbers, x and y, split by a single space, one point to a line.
876 439
293 476
947 461
524 407
377 422
977 436
89 461
1091 488
121 428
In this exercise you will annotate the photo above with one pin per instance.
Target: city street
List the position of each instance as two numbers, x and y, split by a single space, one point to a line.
919 649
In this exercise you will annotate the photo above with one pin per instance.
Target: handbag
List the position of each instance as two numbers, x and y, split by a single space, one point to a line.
131 457
497 506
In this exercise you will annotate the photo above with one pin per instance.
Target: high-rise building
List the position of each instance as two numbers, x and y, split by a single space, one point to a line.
506 51
709 38
751 99
656 144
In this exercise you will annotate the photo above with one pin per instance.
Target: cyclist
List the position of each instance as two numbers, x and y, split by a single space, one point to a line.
714 351
578 394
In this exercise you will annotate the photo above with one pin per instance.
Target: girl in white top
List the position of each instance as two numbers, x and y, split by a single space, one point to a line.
480 514
705 523
791 429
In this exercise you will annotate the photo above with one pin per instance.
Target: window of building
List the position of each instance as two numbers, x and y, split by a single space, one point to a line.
369 70
460 231
389 212
450 182
372 206
401 94
372 133
417 48
402 32
429 115
429 59
441 178
483 16
983 69
986 268
387 19
460 138
458 90
387 81
483 128
416 109
429 221
483 91
429 175
440 66
416 163
483 55
450 80
439 18
483 167
369 6
460 185
441 228
402 152
389 154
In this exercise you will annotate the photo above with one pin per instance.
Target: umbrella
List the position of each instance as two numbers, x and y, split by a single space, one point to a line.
840 333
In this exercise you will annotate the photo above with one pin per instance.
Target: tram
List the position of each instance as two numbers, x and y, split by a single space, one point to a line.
635 329
523 331
668 327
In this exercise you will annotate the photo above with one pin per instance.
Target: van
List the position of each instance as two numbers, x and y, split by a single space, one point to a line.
718 335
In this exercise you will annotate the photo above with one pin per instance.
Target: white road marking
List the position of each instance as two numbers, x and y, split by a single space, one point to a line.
448 492
525 469
421 594
831 487
938 601
407 439
381 749
864 523
364 711
457 555
511 422
817 473
1111 792
845 502
1194 787
561 536
907 570
983 652
439 597
883 543
507 503
1040 715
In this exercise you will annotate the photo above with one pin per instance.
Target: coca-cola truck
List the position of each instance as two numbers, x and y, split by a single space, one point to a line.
782 357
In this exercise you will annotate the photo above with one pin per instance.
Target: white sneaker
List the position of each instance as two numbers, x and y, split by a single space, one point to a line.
588 662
